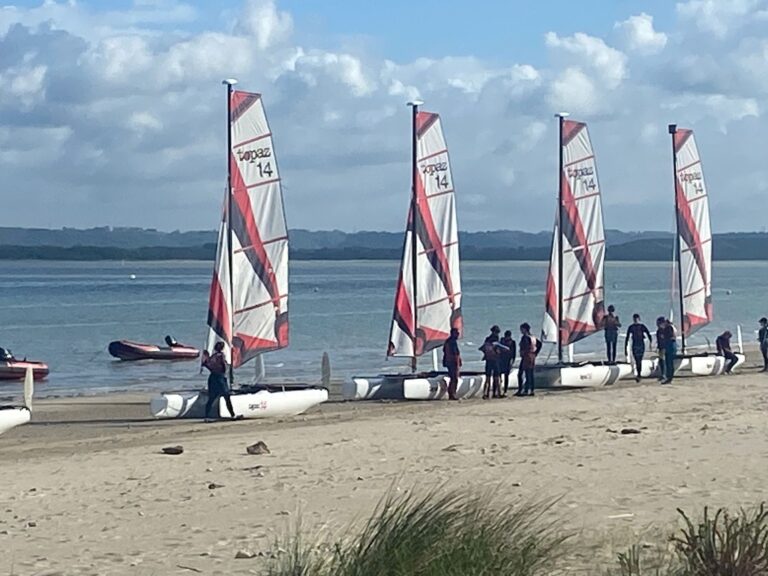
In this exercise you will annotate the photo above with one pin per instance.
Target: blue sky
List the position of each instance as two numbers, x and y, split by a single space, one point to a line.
122 100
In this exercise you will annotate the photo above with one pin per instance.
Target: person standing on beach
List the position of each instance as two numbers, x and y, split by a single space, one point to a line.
723 343
762 337
637 332
529 349
611 325
491 355
660 344
452 362
508 354
217 379
666 336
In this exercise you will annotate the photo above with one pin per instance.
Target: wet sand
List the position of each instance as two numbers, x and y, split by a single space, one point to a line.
86 489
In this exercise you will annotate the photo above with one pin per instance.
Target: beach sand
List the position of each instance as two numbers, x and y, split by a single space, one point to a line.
85 488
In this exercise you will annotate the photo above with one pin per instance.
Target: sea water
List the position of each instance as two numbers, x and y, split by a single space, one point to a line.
66 313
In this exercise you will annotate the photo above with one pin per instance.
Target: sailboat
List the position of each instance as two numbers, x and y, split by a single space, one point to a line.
428 291
248 303
16 415
574 299
693 253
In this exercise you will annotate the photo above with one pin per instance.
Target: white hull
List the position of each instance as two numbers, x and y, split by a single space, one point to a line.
581 376
707 365
12 416
261 404
412 387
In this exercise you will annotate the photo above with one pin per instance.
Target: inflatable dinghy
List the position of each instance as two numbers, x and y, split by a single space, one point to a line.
248 402
127 350
16 369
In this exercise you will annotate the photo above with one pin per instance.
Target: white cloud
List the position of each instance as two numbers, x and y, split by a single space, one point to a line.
585 50
126 107
640 35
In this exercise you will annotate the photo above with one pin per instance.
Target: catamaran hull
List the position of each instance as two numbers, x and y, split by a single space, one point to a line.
12 416
707 365
261 404
413 387
581 376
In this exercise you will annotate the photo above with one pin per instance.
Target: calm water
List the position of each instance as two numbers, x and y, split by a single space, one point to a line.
66 313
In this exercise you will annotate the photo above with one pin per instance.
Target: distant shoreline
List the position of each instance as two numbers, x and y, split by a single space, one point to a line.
648 251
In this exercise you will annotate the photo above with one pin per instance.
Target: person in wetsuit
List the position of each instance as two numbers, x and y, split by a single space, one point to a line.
530 347
762 337
508 354
636 332
491 353
217 379
452 362
611 325
666 340
723 343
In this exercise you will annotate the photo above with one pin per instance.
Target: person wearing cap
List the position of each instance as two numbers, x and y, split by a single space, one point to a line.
491 350
723 343
611 325
636 332
762 337
530 346
217 379
452 362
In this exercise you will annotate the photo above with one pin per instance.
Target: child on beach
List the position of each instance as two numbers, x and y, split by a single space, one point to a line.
530 347
762 337
217 379
508 354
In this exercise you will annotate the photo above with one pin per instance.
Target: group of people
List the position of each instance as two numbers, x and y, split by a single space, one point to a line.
499 354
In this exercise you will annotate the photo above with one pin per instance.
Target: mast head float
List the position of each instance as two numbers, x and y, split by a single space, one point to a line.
415 103
229 81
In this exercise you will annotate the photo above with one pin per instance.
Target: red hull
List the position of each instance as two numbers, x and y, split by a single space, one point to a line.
17 369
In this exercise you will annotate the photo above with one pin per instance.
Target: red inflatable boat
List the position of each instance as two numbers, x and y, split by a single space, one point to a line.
127 350
13 369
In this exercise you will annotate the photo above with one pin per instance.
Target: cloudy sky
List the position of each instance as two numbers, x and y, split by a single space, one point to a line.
112 112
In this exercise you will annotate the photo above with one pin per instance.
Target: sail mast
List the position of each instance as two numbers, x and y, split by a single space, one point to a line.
673 132
561 120
229 83
414 214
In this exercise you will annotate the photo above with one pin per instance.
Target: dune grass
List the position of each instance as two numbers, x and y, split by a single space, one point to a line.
452 533
719 544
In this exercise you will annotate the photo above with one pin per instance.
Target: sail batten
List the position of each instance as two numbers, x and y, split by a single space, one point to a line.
256 286
694 234
574 310
438 282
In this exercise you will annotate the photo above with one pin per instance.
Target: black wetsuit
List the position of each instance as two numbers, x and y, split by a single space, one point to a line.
508 355
637 333
217 382
611 327
723 344
762 337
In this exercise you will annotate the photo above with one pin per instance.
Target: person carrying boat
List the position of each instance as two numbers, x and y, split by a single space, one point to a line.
762 337
507 358
530 347
637 331
666 340
611 325
723 343
452 362
217 379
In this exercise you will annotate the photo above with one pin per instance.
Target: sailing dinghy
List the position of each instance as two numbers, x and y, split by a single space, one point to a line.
693 247
575 303
428 292
248 305
12 416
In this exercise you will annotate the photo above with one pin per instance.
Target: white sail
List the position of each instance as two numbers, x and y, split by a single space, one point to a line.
250 314
438 287
694 234
583 244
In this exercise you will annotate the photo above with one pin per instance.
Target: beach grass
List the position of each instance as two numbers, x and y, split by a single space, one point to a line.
719 544
445 533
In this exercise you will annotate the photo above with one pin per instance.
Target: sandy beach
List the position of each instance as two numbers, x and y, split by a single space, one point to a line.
86 489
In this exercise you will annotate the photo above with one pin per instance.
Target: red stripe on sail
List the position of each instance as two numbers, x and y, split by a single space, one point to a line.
689 232
552 301
681 137
573 230
570 130
240 103
403 313
429 338
424 121
218 314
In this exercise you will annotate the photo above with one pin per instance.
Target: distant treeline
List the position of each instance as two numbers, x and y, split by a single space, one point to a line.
725 247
